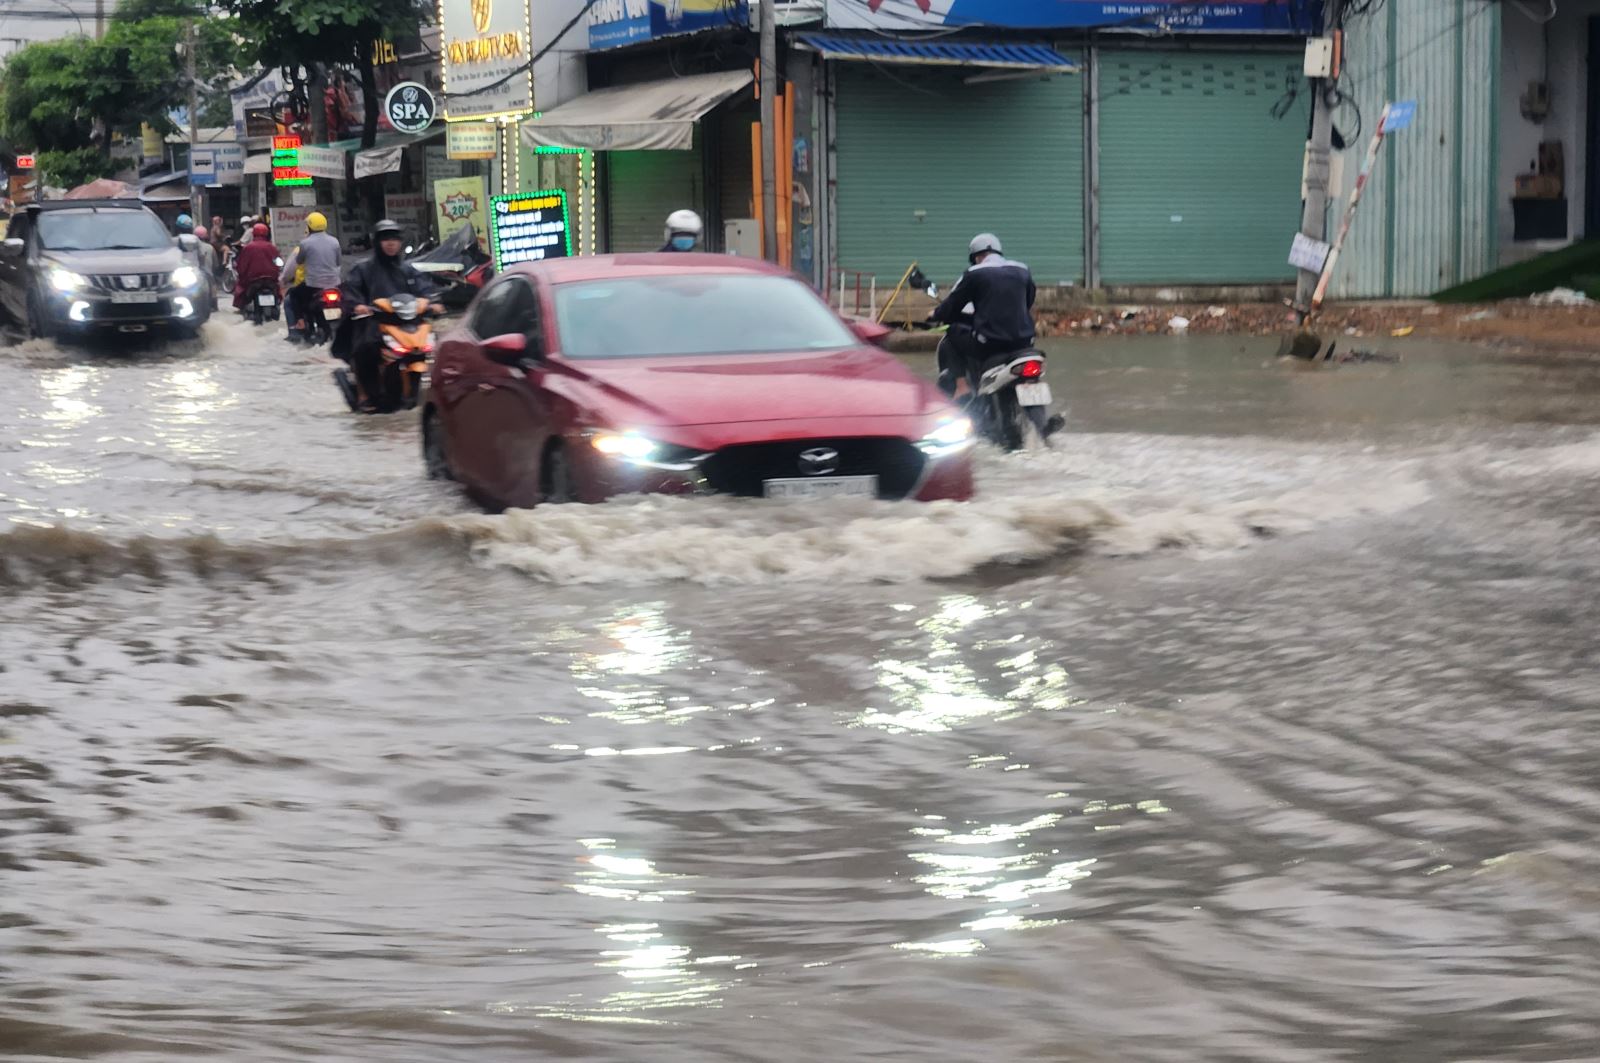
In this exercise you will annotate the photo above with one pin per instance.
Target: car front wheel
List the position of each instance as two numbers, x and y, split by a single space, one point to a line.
555 483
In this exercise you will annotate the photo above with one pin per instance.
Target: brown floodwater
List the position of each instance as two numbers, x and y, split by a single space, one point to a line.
1255 721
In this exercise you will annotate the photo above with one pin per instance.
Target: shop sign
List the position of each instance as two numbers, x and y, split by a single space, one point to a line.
24 162
288 224
613 23
409 209
472 140
322 162
437 166
377 161
228 163
252 107
202 166
409 107
286 172
529 227
1178 16
485 57
460 201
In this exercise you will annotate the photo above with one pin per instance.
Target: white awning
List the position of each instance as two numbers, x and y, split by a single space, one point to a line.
649 116
261 163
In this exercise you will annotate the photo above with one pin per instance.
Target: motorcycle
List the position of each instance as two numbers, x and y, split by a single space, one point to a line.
1009 395
262 303
405 345
458 266
323 313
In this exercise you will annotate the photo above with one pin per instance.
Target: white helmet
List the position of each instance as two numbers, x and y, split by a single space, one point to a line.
982 244
685 223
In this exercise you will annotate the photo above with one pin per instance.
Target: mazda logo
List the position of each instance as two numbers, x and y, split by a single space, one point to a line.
819 461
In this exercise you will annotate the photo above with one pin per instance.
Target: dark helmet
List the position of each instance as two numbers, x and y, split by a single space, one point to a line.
386 229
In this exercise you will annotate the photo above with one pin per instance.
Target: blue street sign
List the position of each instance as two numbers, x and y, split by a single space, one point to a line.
1399 115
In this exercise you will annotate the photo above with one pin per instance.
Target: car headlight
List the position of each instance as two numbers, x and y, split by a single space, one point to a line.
628 445
949 437
185 277
64 280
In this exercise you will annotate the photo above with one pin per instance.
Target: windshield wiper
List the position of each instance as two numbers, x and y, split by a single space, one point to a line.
123 247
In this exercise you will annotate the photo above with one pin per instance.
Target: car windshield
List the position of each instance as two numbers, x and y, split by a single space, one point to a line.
698 313
100 230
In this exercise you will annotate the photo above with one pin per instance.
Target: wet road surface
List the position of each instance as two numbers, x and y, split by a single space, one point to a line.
1254 722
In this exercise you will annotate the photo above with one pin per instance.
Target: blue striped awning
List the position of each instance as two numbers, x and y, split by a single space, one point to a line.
1022 55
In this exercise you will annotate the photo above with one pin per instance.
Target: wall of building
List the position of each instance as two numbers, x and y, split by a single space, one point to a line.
1556 51
562 73
1429 217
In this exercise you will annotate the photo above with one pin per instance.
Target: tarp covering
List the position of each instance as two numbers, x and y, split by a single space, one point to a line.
103 188
649 116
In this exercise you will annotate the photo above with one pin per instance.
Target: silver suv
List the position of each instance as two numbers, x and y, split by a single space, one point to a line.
70 267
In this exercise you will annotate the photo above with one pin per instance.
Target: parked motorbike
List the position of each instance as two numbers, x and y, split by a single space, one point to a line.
405 344
262 303
458 266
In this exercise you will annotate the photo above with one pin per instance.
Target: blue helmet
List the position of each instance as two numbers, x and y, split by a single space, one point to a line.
185 223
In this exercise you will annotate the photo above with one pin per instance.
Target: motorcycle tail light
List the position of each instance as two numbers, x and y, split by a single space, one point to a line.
330 297
1031 370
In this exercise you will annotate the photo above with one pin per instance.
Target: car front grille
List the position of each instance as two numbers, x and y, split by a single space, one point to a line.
743 469
127 282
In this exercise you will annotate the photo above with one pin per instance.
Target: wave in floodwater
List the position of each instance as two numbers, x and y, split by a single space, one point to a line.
1032 508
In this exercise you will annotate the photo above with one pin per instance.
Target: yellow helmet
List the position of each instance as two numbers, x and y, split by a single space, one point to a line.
316 223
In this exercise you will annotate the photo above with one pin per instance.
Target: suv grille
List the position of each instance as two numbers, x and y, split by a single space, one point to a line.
127 282
741 470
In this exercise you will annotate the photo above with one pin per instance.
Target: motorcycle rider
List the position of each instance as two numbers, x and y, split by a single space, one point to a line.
314 265
256 261
208 264
684 230
989 313
184 225
382 276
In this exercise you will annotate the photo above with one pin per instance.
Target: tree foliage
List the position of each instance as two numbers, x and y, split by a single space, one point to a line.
67 97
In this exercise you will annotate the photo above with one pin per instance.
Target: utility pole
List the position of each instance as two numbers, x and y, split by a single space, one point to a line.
769 129
99 19
1314 216
194 116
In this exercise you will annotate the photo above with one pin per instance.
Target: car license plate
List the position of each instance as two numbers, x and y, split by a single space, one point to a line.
332 313
815 487
133 297
267 300
1033 394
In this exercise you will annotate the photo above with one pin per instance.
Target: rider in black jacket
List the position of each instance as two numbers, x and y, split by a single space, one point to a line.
383 275
989 311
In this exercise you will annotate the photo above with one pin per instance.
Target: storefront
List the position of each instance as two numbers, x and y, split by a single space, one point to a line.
1100 156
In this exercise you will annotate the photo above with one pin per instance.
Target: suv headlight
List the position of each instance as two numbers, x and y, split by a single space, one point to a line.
951 436
185 277
629 445
64 280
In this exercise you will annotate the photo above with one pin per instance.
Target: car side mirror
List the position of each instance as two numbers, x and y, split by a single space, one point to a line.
189 242
13 247
870 331
511 349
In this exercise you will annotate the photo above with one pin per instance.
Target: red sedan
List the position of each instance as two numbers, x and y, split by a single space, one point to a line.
579 379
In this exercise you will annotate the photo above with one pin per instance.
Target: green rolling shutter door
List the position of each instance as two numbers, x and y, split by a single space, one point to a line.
643 187
1199 183
926 162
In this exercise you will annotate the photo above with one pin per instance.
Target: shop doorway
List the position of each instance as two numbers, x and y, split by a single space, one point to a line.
1591 183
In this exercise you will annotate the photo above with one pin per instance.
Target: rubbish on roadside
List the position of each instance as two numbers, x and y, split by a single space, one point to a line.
1179 323
1367 356
1481 315
1431 311
1217 311
1352 331
1127 315
1560 297
1403 330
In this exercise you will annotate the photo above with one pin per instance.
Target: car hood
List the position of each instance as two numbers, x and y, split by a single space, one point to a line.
722 389
147 260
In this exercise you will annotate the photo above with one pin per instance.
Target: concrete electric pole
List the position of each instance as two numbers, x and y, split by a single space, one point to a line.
769 128
189 38
1319 153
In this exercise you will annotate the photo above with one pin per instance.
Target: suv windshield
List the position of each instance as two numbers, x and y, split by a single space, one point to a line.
100 230
704 313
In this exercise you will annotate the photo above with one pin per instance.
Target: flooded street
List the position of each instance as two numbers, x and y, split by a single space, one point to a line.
1254 722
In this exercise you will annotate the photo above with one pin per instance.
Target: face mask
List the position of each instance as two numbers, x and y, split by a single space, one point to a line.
683 243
